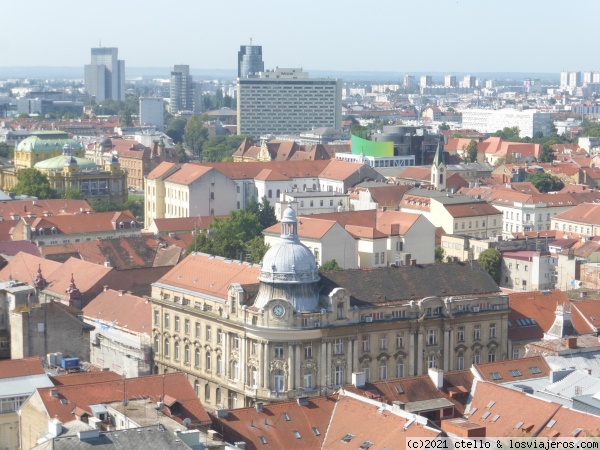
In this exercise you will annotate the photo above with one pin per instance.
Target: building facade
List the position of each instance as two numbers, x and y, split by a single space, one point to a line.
105 76
529 122
152 112
250 62
287 101
297 332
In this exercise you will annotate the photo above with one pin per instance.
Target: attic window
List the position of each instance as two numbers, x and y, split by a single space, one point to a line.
496 417
54 230
286 417
365 445
316 431
399 389
296 434
485 415
262 440
495 376
132 224
121 225
490 404
515 373
348 437
535 370
551 423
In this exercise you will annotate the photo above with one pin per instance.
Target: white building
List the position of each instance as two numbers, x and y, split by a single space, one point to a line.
151 112
529 121
287 101
527 270
105 76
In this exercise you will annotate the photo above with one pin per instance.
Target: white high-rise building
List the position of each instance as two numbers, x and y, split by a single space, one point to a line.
450 81
287 101
152 112
105 76
529 121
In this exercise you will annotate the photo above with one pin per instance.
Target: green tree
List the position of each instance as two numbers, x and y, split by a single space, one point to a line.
195 134
183 157
545 182
266 214
546 155
491 260
471 152
72 194
329 265
217 148
509 134
175 129
136 206
232 233
126 119
34 183
439 254
255 249
6 151
444 126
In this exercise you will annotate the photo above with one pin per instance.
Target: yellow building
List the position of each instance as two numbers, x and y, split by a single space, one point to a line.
43 145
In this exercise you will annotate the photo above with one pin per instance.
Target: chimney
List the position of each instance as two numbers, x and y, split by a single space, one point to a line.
359 379
398 405
105 287
572 342
437 376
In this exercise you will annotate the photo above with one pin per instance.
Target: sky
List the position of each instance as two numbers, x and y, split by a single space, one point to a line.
540 36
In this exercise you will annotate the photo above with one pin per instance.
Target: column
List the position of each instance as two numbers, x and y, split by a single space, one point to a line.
260 381
446 348
243 364
355 355
410 363
291 368
451 350
328 363
225 358
299 381
420 351
267 365
323 364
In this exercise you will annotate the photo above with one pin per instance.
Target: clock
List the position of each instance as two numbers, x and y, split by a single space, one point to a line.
441 169
278 311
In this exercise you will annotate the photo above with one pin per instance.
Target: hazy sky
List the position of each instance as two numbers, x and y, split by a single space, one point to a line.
351 35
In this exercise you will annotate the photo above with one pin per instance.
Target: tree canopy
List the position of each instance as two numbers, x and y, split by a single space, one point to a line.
175 129
471 152
545 182
219 148
546 155
508 134
329 265
195 134
33 183
135 205
491 260
439 254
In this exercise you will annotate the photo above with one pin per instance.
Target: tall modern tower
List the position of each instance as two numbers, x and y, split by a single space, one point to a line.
250 62
182 90
105 76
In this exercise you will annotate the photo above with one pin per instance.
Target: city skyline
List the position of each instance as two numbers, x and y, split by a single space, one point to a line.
454 36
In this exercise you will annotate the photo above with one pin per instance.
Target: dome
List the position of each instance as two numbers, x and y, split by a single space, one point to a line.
106 142
47 141
59 162
289 271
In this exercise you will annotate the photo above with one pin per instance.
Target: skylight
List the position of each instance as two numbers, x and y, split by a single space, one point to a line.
551 423
365 445
519 425
262 440
348 437
286 417
535 370
495 376
486 415
515 373
316 431
496 417
490 404
399 389
296 434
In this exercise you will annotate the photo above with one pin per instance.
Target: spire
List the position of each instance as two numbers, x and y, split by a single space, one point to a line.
39 281
563 325
72 292
439 156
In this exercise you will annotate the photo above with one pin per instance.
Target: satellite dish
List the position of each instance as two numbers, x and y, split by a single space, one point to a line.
187 422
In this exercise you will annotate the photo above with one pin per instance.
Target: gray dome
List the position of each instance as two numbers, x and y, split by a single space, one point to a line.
289 261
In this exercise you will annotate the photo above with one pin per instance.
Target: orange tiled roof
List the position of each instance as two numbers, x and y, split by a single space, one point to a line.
308 227
587 213
78 378
188 173
520 368
39 208
23 267
85 223
13 368
121 309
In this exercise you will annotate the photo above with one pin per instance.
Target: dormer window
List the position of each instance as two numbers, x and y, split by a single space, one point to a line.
54 230
41 232
132 224
121 225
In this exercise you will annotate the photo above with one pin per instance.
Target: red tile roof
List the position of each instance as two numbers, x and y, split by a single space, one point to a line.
271 175
162 170
176 224
209 274
78 378
502 369
175 385
11 248
308 227
475 209
13 368
86 223
121 309
24 267
55 207
586 213
292 169
188 173
568 420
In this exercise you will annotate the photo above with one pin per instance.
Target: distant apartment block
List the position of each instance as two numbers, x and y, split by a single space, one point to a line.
426 81
450 81
409 81
105 76
529 121
286 101
152 112
184 94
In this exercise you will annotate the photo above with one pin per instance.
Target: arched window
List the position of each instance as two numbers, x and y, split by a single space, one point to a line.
54 230
218 396
156 344
278 381
186 354
278 193
41 232
270 193
340 310
166 348
219 365
121 225
197 387
235 370
132 224
197 357
207 362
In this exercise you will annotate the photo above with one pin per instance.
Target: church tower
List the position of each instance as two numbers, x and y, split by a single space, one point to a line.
438 169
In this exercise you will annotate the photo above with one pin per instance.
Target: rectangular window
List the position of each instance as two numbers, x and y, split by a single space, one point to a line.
460 334
460 363
338 347
308 381
366 343
308 351
187 326
176 323
431 337
197 332
254 348
477 333
400 369
492 330
382 342
279 351
236 342
208 333
431 362
376 258
383 372
219 336
338 375
167 320
400 340
492 357
515 353
156 318
382 258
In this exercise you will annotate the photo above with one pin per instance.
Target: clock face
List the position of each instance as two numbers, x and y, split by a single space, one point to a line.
278 310
441 169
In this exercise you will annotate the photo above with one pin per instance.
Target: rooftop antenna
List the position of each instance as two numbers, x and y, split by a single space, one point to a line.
99 42
250 41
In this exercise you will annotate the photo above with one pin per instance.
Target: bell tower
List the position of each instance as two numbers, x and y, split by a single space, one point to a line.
438 169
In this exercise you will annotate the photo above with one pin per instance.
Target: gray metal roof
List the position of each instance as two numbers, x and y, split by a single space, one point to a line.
587 360
427 405
575 384
20 386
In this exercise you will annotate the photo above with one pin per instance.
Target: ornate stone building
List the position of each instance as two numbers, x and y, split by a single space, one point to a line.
244 333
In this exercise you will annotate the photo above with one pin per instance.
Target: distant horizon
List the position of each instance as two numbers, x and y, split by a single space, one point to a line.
75 72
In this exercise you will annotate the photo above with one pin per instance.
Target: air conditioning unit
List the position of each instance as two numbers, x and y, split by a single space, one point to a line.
369 319
475 308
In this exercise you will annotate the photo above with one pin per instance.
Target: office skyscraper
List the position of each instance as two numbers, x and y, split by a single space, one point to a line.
105 76
181 90
250 62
